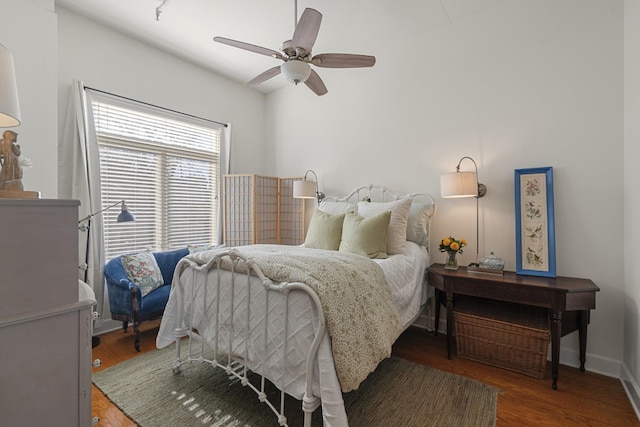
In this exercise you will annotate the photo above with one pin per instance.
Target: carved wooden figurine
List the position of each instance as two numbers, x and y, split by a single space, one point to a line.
11 172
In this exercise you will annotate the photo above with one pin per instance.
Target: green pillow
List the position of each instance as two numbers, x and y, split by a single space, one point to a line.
324 231
366 236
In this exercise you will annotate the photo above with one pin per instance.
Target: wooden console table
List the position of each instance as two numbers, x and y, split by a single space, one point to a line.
568 299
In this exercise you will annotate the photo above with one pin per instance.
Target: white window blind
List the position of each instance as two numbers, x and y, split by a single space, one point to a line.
166 167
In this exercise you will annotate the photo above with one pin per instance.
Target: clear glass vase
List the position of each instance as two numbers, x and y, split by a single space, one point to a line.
451 262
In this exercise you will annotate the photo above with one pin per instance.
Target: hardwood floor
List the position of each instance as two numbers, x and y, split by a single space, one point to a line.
582 398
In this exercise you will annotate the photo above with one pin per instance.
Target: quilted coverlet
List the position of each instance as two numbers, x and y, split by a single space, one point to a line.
361 318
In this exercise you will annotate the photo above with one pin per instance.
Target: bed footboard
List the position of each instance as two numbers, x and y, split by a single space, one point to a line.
238 343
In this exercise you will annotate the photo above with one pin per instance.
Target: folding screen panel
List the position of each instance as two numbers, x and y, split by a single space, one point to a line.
261 209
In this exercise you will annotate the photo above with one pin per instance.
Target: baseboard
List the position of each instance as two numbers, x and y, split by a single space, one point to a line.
108 326
598 364
631 388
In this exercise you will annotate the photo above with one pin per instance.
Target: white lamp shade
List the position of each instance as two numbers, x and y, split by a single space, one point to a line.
304 189
459 184
296 71
9 106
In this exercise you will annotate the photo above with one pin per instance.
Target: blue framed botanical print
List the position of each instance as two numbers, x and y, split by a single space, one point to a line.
535 228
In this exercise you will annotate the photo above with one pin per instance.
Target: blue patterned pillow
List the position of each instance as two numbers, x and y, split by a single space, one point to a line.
143 270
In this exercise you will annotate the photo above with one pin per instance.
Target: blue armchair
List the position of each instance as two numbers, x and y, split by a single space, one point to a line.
125 297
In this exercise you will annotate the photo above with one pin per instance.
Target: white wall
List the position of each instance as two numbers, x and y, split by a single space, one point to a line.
522 84
115 63
28 30
631 358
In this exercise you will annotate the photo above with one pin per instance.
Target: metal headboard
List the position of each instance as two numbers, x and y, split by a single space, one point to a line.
380 193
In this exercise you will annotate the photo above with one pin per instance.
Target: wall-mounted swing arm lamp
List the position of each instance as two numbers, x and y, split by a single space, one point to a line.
84 225
306 189
464 184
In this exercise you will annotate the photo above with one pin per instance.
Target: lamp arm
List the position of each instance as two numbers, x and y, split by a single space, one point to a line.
88 217
319 194
314 175
482 189
467 157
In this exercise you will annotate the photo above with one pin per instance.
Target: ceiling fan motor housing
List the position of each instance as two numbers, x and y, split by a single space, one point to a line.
289 51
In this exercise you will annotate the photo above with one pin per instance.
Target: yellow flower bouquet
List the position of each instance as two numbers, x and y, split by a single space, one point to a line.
452 247
451 244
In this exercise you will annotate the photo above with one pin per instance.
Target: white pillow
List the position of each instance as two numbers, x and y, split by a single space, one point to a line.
397 232
418 222
337 208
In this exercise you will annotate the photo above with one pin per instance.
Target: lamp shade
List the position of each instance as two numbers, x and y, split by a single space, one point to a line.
9 105
296 71
125 215
304 189
459 184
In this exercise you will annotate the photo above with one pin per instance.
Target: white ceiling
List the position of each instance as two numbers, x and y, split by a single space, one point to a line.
186 27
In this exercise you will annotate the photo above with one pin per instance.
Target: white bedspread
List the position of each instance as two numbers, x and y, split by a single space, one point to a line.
406 279
405 276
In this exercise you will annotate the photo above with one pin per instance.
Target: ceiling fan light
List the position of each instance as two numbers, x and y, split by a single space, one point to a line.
296 71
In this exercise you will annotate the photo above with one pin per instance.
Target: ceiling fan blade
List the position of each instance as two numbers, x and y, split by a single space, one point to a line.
343 60
315 83
249 47
271 72
307 29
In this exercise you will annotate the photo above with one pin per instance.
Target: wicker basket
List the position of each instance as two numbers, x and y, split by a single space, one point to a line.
510 336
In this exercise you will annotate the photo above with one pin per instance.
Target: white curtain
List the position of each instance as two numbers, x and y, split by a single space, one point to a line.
79 178
225 168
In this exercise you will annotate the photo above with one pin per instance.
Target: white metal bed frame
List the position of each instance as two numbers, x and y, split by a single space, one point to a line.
234 368
309 402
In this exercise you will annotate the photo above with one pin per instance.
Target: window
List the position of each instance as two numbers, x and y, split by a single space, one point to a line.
166 167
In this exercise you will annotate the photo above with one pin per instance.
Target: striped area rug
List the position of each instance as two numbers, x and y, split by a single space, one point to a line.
398 393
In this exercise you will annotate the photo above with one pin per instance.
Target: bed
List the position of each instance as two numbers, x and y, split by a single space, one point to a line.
313 320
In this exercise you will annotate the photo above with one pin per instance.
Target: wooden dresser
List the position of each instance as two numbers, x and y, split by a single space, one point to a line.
45 331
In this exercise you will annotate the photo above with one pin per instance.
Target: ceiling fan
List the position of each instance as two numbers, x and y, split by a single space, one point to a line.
296 54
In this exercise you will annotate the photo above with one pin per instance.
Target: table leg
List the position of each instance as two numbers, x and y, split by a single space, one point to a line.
583 319
436 321
556 333
450 321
